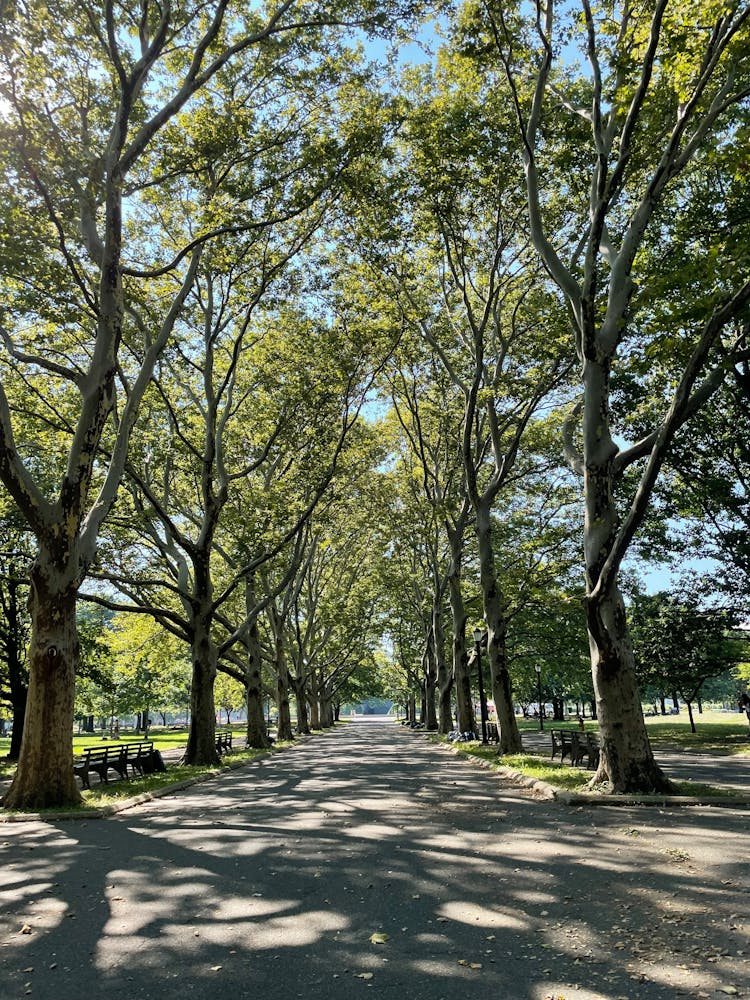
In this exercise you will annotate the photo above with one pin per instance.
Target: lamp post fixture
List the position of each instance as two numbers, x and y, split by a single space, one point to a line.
538 668
478 636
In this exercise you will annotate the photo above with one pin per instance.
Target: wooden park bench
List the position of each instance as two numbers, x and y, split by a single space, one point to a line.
140 757
114 757
492 732
562 740
223 742
586 746
577 746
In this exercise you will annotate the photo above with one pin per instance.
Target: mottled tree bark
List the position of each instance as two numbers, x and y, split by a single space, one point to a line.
494 617
300 697
466 718
282 690
626 761
257 733
429 673
44 778
201 744
17 679
444 677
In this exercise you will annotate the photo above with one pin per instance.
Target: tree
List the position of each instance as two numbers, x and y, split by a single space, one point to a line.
229 694
15 621
609 157
88 93
429 412
681 641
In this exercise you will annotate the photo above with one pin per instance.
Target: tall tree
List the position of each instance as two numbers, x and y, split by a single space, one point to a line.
114 214
608 157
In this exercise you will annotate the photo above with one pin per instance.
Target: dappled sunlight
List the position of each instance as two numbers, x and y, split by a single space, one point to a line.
277 877
532 896
484 916
373 831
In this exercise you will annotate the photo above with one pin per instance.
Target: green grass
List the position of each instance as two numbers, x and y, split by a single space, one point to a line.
567 778
107 794
115 791
722 733
532 766
698 789
104 794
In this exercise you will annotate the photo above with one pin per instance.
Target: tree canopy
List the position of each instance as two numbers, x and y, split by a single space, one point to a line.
313 358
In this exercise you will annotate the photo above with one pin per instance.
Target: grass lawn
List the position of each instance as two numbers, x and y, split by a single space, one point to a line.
101 794
163 739
571 779
722 733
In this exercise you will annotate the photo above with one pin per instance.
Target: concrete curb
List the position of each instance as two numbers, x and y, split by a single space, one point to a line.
546 791
117 807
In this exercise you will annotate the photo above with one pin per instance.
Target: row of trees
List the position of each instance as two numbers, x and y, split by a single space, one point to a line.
232 234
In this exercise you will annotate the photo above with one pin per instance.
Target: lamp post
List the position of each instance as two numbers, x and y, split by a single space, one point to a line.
478 635
538 668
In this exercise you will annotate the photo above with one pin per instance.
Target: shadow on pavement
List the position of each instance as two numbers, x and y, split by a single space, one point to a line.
271 881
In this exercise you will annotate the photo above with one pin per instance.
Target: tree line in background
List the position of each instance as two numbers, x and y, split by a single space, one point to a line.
314 358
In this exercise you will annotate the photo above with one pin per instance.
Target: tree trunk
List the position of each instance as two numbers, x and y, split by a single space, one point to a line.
314 704
282 691
494 617
676 701
201 744
300 696
44 778
17 681
326 707
466 720
444 677
430 685
662 704
257 733
626 760
19 714
690 716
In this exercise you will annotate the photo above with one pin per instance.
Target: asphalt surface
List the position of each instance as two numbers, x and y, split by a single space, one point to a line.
270 881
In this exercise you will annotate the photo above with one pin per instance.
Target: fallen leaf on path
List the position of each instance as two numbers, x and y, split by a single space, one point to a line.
26 929
731 990
378 938
363 975
215 968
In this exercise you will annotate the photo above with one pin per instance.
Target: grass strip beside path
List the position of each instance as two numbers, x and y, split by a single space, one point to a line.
722 733
566 778
109 795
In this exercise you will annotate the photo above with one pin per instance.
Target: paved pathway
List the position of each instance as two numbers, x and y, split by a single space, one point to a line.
268 882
